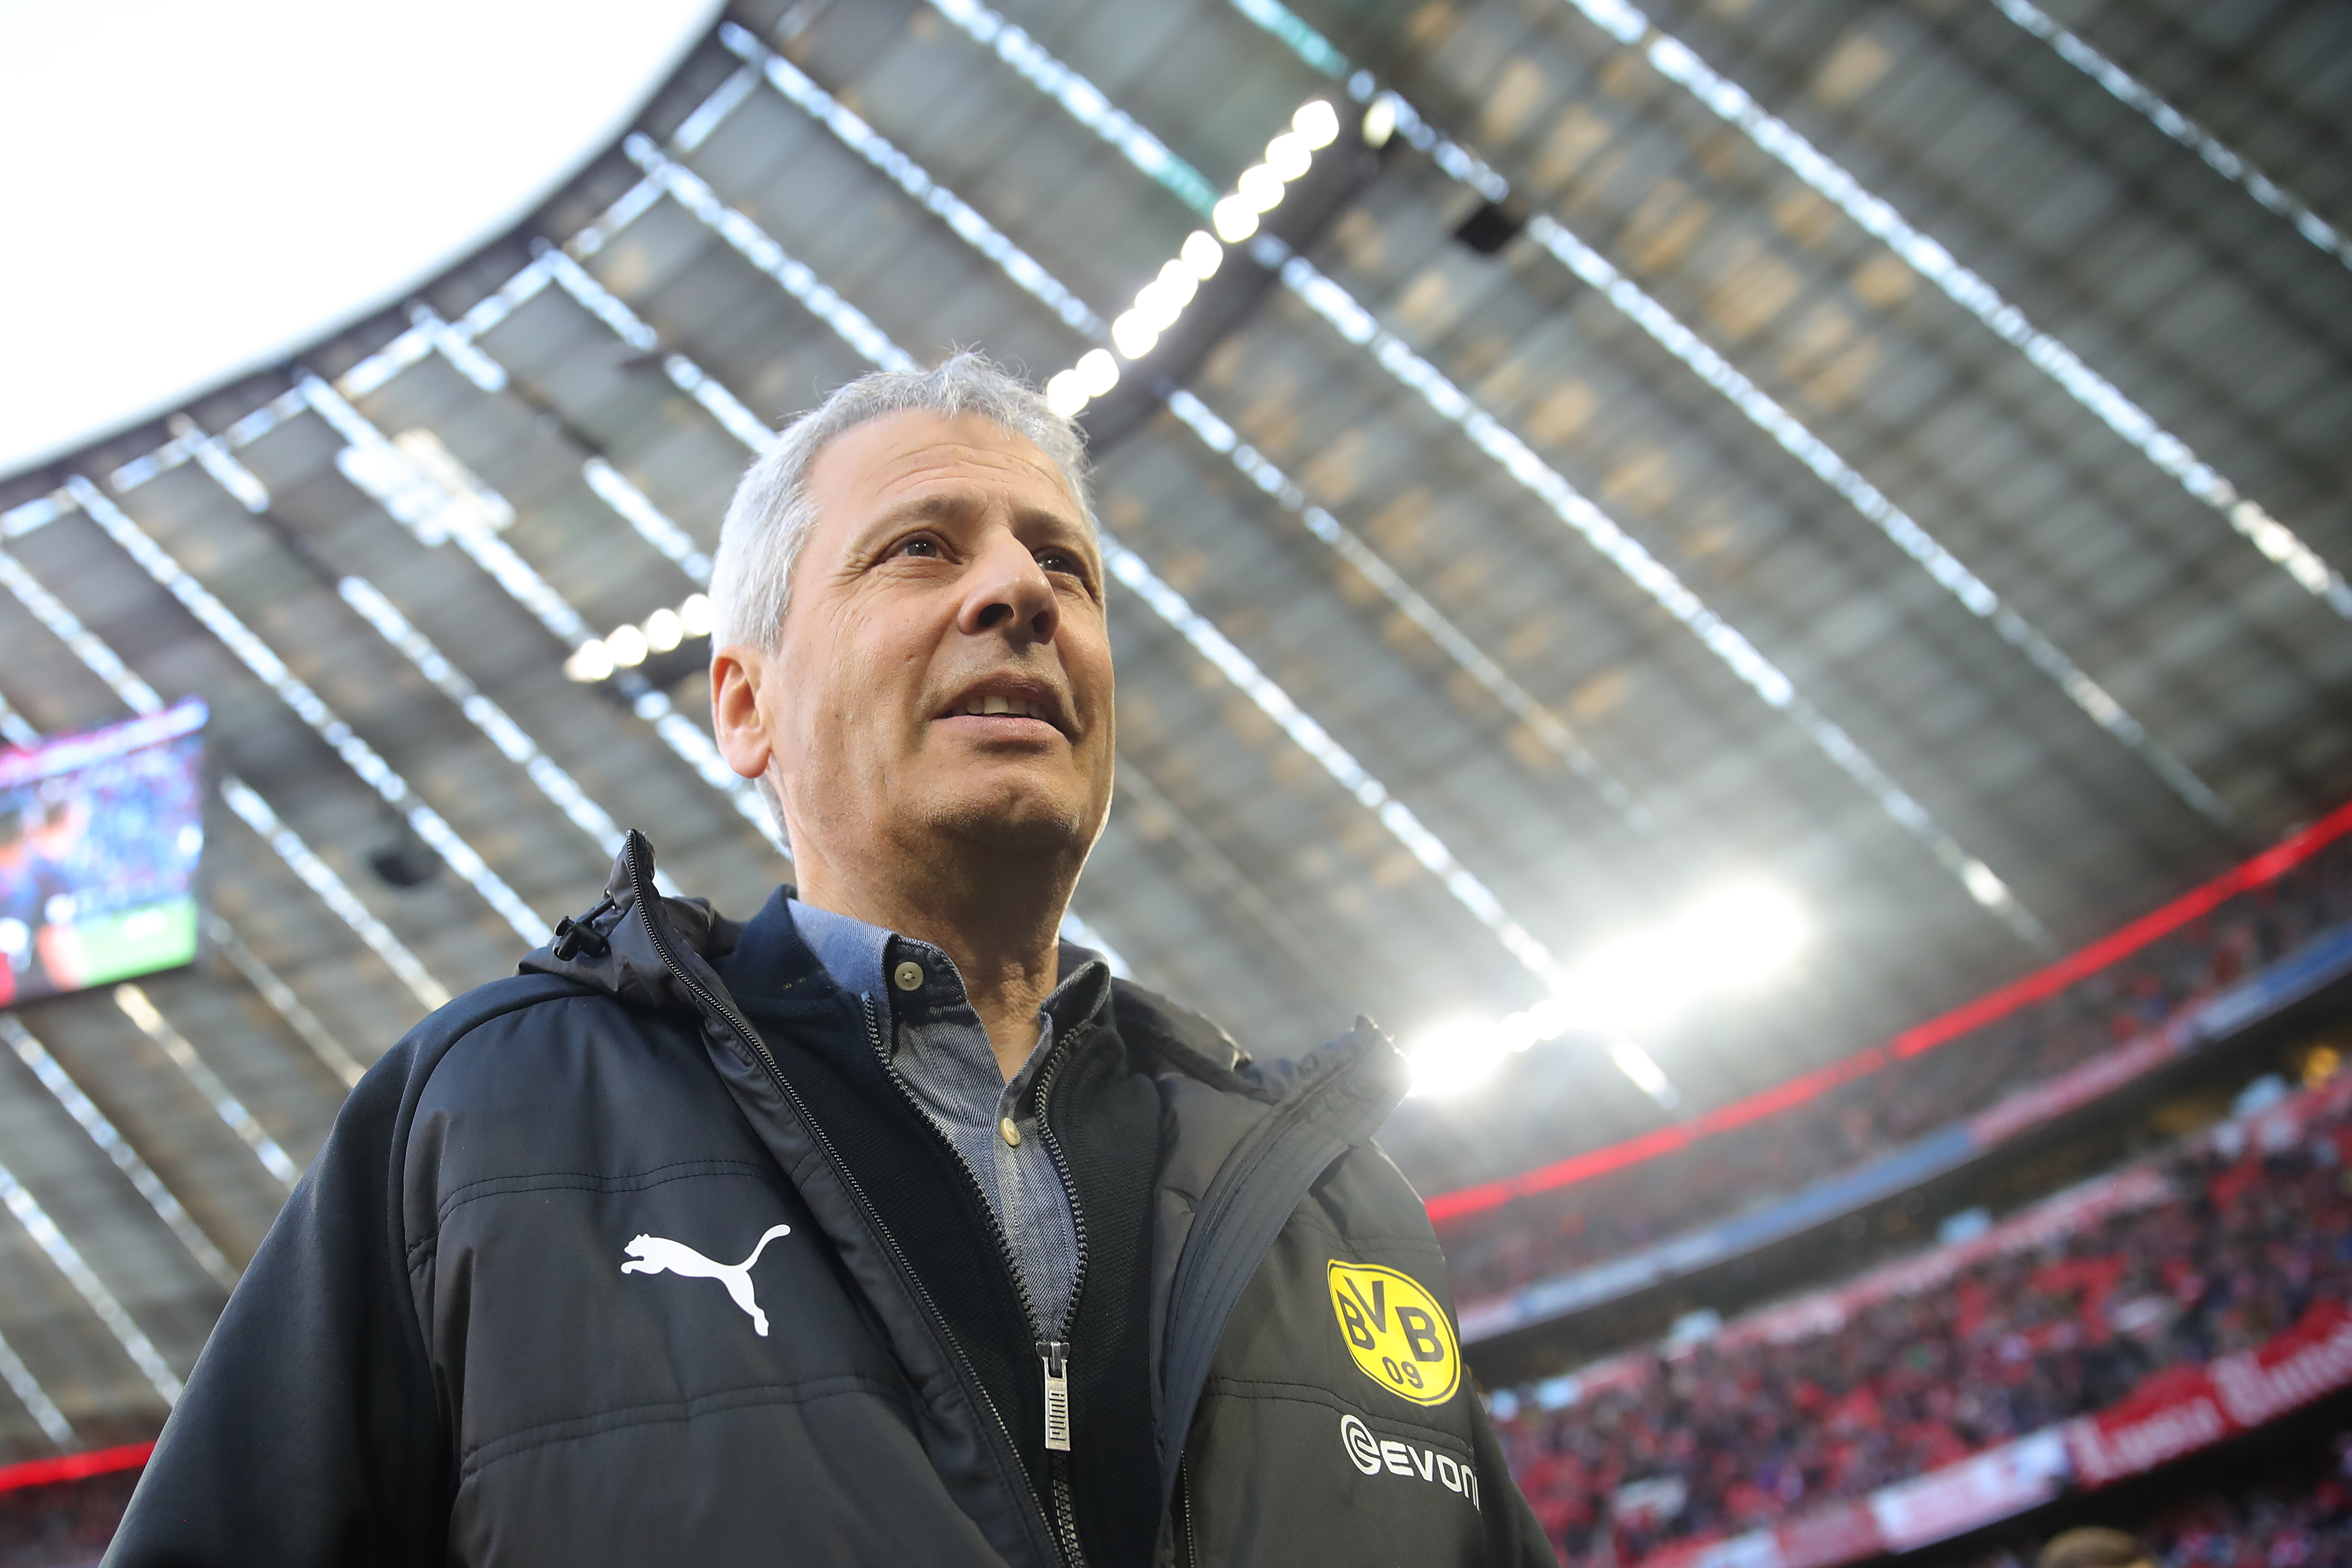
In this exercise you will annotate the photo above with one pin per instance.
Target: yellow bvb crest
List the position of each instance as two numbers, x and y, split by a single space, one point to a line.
1396 1330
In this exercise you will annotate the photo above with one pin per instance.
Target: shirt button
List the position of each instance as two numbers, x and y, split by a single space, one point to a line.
908 976
1011 1133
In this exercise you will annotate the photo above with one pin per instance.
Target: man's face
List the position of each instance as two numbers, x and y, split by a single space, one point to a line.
944 668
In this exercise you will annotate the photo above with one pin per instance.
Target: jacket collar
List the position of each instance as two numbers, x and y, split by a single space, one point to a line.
607 950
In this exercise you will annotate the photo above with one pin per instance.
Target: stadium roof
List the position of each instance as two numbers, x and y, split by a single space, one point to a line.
1892 451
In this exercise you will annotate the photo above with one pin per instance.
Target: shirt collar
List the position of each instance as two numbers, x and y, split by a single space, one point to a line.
856 956
852 952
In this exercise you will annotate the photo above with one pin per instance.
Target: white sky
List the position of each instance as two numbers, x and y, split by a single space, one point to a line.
189 191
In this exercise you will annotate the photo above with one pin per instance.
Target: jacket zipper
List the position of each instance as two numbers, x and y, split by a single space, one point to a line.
1064 1510
1052 1352
1190 1543
642 883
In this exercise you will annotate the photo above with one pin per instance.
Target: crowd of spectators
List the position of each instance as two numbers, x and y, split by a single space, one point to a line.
2299 1516
1731 1441
1554 1232
63 1524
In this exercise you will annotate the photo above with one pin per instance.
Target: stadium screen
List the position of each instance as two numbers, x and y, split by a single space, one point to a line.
98 837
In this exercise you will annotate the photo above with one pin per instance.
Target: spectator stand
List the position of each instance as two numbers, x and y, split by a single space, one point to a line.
2117 1326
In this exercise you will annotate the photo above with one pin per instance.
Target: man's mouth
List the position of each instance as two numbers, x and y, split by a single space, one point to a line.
989 706
1010 707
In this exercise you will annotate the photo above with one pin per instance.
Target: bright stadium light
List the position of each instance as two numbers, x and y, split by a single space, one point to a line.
663 630
1135 334
1233 219
1097 372
1317 123
1456 1057
1744 934
1261 188
627 646
1202 253
1288 155
590 661
1065 397
1729 939
1170 292
1635 982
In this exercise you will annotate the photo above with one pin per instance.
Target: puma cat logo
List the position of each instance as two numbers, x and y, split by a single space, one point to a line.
659 1255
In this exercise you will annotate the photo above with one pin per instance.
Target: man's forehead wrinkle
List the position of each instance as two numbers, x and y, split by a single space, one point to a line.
895 448
908 468
929 493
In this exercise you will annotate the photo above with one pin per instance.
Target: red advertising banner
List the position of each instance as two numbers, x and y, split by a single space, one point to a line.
2190 1407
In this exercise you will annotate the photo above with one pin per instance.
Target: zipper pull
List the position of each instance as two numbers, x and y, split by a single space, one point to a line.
1056 1354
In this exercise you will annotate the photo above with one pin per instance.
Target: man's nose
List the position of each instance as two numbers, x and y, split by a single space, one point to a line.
1009 593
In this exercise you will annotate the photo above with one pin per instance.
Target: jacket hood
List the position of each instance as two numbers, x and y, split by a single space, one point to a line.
608 949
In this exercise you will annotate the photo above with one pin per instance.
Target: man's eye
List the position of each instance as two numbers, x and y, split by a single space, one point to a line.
1061 561
922 545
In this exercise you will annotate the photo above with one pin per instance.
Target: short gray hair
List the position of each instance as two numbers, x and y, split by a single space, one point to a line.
772 511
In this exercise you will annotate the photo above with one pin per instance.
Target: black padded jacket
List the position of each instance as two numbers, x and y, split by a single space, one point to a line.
595 1269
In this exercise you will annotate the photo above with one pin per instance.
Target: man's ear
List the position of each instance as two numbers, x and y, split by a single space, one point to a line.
742 730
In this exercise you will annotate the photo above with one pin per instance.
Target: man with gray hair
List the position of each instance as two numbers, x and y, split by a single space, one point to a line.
884 1226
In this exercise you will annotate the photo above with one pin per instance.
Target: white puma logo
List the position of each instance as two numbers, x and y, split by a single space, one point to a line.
659 1255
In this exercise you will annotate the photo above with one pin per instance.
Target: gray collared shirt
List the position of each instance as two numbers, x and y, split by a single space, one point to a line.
938 1046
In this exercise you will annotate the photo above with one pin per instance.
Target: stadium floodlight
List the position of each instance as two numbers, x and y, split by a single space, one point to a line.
1134 334
627 644
1233 219
1097 373
1288 155
1456 1057
1744 934
1260 186
1064 396
1731 939
1317 123
1635 982
1201 255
